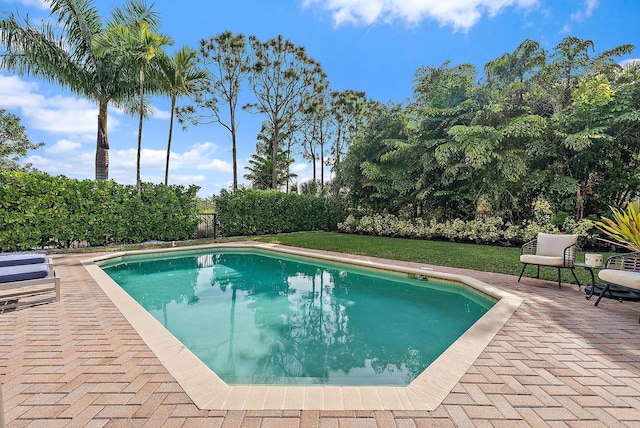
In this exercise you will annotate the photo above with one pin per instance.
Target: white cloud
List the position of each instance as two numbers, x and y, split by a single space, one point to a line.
64 115
59 114
187 180
17 93
299 167
63 148
80 165
40 4
200 158
566 29
589 7
161 114
217 165
123 159
460 14
630 61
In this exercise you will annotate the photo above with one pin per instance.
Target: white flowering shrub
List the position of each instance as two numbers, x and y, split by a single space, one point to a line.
487 230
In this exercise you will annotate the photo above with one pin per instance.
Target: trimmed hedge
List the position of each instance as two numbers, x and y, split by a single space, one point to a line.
41 211
488 230
257 212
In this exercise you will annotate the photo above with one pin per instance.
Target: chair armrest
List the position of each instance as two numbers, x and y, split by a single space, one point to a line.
570 255
529 247
628 261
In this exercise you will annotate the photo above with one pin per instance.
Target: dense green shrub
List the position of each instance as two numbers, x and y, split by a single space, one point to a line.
40 210
256 212
487 230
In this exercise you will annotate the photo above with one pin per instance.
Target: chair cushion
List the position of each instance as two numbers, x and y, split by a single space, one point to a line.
23 272
553 245
21 259
624 278
542 260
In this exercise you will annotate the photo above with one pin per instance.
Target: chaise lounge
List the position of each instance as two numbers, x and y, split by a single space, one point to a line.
553 250
25 279
16 259
621 270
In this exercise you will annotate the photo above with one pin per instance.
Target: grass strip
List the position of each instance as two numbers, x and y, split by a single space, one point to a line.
486 258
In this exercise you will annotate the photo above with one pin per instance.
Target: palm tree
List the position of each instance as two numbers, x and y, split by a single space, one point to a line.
131 36
61 52
179 76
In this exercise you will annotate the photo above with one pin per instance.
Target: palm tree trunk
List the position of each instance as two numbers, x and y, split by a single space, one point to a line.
166 169
138 181
232 117
102 144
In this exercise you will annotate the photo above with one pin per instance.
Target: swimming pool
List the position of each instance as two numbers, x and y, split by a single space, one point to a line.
208 391
259 318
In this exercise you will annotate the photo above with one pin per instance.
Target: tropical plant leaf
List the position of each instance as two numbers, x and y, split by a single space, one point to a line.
623 227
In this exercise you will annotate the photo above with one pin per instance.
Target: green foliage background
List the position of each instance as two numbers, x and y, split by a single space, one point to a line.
560 125
257 212
39 211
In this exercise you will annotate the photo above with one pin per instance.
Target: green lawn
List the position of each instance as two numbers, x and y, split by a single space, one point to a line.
468 256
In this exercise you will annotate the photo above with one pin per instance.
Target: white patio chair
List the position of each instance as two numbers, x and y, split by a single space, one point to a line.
553 250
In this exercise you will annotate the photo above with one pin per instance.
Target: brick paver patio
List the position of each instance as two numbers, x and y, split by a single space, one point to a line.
559 361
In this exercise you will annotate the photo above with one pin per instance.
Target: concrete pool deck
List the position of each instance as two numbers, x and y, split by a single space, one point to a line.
556 360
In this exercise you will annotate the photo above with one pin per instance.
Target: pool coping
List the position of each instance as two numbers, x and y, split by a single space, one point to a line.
209 392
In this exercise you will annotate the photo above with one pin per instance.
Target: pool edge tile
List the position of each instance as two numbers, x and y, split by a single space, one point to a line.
313 398
257 396
332 398
351 398
237 398
276 397
370 398
294 398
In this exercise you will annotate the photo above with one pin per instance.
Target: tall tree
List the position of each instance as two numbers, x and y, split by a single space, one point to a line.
569 62
580 137
226 59
347 113
444 97
132 36
60 51
14 142
383 166
179 76
496 144
282 78
511 72
314 132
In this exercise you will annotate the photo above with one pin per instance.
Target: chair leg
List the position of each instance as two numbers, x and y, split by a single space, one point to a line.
538 272
604 290
559 279
575 277
522 271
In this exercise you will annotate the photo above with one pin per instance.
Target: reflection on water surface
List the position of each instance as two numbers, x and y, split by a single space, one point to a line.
255 318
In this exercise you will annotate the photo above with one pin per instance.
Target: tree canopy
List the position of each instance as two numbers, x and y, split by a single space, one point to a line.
14 143
560 126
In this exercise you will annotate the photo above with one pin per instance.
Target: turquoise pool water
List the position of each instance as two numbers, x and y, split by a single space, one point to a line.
256 317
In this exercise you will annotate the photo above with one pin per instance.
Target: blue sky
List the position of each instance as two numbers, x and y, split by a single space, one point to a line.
374 46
